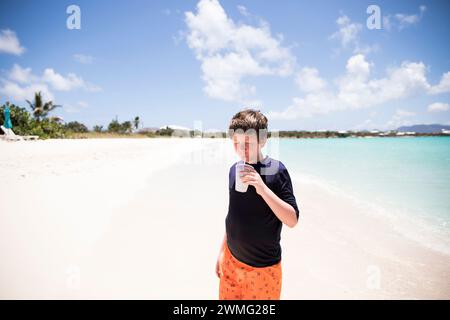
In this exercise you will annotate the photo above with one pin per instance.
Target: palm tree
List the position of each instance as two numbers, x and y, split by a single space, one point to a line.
136 122
41 110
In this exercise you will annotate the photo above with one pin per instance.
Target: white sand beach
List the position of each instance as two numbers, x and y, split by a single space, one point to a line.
144 218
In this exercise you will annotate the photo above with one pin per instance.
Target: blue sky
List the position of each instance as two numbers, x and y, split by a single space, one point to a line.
308 65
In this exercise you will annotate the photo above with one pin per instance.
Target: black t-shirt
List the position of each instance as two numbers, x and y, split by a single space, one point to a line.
253 230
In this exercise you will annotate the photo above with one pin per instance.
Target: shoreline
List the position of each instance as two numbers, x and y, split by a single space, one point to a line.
433 238
363 246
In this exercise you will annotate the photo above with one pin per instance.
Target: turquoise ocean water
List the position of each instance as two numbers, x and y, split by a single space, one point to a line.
405 179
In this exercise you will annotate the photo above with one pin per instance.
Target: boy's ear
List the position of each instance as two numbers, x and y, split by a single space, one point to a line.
262 137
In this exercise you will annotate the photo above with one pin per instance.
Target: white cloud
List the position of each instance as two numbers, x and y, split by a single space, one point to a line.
348 36
61 83
387 24
9 43
83 59
230 52
402 20
19 92
21 75
358 67
443 85
356 90
406 20
348 31
67 83
21 83
400 118
438 107
242 10
321 102
308 80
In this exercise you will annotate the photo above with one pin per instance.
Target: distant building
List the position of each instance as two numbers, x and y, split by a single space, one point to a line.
444 131
175 127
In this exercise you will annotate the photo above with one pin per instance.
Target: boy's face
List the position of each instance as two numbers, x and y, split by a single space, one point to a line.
247 147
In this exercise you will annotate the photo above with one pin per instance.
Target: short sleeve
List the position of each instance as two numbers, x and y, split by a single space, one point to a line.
286 191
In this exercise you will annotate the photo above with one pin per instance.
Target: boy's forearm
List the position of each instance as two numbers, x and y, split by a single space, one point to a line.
283 210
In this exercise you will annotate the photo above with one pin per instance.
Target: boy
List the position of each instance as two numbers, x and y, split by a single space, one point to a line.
249 262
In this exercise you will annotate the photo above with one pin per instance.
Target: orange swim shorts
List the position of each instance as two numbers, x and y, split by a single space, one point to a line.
240 281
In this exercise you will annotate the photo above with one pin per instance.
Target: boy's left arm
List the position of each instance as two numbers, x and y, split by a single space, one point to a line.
283 210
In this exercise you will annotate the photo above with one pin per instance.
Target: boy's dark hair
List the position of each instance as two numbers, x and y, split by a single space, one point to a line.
249 119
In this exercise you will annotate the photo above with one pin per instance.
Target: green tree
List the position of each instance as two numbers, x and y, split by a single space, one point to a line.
126 127
98 128
165 131
20 118
47 128
76 126
40 109
114 126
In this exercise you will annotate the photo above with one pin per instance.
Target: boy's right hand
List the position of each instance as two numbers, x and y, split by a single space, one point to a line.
219 264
